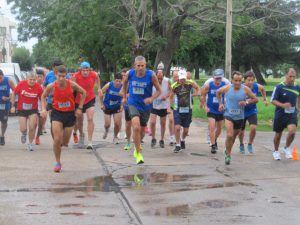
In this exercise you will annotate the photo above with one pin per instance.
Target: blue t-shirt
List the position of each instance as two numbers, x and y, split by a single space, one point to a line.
4 91
251 109
284 94
232 100
49 79
112 98
140 88
212 100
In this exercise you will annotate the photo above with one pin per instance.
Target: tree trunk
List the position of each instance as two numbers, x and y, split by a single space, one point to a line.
260 79
197 74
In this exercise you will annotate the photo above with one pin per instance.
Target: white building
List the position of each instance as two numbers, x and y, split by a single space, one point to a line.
6 42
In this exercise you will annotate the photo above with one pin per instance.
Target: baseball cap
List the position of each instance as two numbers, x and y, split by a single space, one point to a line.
218 73
182 74
85 65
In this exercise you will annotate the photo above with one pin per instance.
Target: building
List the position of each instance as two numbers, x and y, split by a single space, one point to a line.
6 41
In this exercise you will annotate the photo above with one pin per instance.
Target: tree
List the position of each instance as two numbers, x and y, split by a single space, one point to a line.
22 56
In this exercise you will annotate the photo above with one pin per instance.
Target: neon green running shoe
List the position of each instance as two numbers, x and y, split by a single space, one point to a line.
139 158
127 146
227 158
137 180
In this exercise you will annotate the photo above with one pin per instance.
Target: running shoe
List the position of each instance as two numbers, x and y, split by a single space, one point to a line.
116 140
242 149
37 141
90 147
250 149
57 168
75 138
105 134
182 144
29 147
135 153
127 146
172 140
213 149
153 143
161 143
216 146
177 149
139 158
2 140
276 155
23 138
288 153
227 158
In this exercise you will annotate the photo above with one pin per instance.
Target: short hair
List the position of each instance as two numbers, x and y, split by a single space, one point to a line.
140 58
235 73
39 72
57 62
159 70
124 70
290 69
61 69
249 74
118 76
1 73
71 70
31 74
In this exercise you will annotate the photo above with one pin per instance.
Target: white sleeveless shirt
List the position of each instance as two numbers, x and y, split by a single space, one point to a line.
158 103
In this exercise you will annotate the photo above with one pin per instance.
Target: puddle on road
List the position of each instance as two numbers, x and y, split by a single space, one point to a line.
36 213
187 209
73 213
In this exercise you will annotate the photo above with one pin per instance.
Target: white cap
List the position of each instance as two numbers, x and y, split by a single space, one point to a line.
182 74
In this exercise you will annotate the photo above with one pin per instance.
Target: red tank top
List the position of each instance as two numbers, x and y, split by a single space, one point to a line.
87 83
63 99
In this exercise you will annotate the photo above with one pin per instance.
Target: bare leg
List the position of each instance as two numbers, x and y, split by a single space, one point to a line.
291 135
90 119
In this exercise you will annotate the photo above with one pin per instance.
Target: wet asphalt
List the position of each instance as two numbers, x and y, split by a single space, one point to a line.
106 187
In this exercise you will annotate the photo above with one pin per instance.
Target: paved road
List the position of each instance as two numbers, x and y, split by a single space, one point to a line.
106 187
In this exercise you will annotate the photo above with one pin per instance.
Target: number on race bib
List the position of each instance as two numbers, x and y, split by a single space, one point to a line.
289 110
235 111
26 106
64 105
138 91
184 109
2 106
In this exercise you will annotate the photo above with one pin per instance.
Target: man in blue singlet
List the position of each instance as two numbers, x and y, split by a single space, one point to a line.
139 82
286 98
235 100
251 112
211 105
5 86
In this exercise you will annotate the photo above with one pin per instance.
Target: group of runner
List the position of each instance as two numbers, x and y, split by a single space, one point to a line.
66 95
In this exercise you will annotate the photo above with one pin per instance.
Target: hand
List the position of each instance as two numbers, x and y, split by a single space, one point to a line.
102 107
286 105
5 98
121 108
169 110
163 98
44 114
266 102
124 101
78 112
243 103
206 109
221 107
100 93
148 101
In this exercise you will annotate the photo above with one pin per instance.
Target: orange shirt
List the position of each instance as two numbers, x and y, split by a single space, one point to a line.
87 83
63 99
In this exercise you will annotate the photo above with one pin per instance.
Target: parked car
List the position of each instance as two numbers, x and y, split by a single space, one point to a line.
24 75
11 68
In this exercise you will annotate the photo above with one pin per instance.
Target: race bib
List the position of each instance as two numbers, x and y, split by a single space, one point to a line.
184 109
64 105
138 91
215 100
157 101
235 111
27 106
113 102
289 110
2 106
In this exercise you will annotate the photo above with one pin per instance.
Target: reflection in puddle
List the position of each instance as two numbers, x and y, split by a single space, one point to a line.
36 213
73 213
70 205
187 209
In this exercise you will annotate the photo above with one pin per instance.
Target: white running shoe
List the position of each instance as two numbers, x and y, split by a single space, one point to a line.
287 152
105 134
276 155
29 147
116 140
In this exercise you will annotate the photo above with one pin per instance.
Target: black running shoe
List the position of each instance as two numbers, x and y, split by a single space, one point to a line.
153 143
213 149
162 143
2 141
177 149
182 144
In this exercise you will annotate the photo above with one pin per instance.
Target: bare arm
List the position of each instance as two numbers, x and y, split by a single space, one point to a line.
104 89
204 92
253 99
123 91
263 94
98 81
220 91
81 91
155 82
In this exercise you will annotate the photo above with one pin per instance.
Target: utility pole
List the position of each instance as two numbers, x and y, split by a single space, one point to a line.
228 53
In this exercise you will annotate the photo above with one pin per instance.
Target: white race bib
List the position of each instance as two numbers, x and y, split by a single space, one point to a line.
235 111
2 106
289 110
138 91
64 105
113 102
184 109
27 106
215 100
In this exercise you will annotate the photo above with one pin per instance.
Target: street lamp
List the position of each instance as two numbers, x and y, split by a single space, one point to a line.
228 50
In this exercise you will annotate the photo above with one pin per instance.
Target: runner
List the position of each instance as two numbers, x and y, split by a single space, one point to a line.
170 114
63 116
29 92
235 101
183 107
251 112
159 108
286 98
5 86
210 102
141 81
87 80
112 106
41 120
